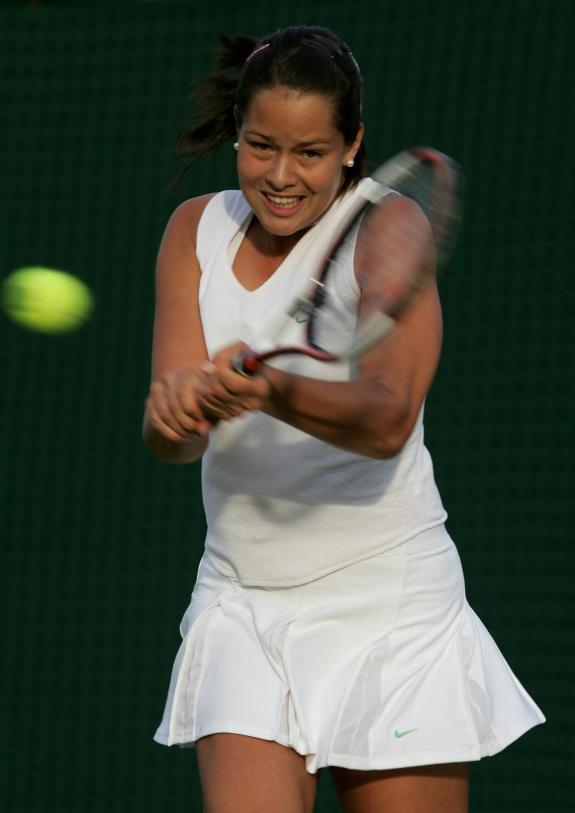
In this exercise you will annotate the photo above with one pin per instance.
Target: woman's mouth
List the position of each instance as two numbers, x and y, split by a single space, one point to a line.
282 204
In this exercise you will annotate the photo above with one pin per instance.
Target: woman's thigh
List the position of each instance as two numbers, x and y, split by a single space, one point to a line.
241 774
425 789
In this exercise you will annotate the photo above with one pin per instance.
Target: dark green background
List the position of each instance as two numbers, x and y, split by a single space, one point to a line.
99 542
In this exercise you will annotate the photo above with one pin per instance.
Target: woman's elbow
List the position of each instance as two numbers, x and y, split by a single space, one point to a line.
388 437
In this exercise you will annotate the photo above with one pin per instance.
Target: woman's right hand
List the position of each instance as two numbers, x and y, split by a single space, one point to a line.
172 409
175 429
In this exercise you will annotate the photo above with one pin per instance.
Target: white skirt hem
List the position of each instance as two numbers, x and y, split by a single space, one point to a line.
188 739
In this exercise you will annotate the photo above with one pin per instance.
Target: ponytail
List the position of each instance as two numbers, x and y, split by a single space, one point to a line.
212 121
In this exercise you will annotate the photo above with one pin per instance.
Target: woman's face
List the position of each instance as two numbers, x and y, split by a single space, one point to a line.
291 158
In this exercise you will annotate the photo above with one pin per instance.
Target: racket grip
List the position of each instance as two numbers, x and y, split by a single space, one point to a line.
247 364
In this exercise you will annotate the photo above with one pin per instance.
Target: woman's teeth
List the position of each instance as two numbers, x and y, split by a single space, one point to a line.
287 202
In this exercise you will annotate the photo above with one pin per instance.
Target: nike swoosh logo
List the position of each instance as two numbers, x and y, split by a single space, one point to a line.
399 734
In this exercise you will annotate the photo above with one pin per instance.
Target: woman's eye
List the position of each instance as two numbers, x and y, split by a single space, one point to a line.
259 145
312 154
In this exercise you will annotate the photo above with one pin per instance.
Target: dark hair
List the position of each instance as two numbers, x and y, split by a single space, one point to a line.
309 59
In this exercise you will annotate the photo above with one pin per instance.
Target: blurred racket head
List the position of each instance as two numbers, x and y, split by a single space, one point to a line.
435 182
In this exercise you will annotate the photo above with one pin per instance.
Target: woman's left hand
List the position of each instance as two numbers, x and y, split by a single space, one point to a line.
226 394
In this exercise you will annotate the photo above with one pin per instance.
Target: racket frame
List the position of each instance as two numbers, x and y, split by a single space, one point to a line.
444 228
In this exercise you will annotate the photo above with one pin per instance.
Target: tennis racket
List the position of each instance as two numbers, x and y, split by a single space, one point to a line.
388 288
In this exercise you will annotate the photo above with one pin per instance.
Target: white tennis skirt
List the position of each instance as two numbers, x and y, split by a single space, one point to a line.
381 664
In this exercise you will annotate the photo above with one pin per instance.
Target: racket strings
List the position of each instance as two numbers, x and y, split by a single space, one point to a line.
387 279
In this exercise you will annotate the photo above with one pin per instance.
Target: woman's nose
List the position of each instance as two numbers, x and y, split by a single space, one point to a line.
281 173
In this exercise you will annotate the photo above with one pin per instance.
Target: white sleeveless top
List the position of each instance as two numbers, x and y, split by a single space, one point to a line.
282 507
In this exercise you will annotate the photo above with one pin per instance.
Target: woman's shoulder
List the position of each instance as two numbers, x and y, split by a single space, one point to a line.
187 215
229 203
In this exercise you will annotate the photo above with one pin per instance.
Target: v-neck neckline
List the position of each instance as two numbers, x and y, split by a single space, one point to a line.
234 247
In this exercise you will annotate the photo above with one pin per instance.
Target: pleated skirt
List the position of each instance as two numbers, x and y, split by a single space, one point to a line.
382 664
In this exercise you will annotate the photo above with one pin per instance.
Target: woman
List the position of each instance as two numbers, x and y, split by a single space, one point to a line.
328 625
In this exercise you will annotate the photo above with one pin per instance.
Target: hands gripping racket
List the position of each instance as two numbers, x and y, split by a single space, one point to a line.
388 288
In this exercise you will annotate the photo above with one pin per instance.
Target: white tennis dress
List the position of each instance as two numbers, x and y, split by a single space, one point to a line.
329 611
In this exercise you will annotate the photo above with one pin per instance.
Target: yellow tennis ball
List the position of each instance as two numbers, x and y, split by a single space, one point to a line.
46 300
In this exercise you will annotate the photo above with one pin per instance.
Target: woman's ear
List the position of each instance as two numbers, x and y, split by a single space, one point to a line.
359 136
354 147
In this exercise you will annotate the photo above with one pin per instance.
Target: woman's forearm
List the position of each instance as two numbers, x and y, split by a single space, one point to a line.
362 416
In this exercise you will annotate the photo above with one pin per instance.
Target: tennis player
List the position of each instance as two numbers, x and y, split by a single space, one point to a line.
328 626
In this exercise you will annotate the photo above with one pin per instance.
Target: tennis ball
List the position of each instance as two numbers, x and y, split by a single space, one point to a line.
46 300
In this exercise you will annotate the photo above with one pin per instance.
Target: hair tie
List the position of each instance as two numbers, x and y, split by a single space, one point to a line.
256 50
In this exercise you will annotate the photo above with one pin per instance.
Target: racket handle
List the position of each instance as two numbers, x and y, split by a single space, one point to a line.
247 364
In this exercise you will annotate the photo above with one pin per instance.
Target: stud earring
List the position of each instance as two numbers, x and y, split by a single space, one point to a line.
236 146
350 163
